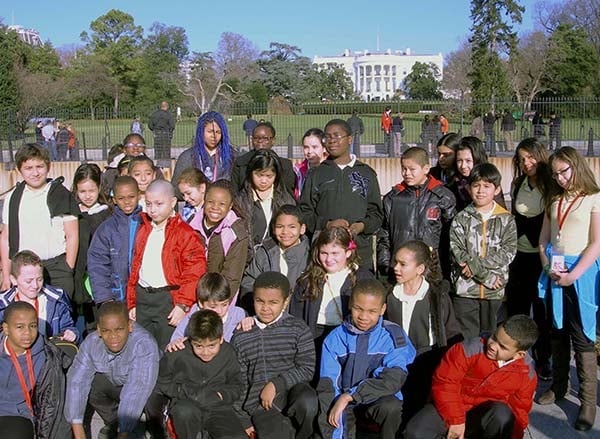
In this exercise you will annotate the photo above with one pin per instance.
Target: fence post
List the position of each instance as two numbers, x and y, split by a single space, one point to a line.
85 157
10 165
590 149
290 146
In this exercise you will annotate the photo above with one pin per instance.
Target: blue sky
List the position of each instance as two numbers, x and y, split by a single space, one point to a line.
324 27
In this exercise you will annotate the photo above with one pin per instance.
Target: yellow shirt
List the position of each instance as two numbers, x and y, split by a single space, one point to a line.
575 233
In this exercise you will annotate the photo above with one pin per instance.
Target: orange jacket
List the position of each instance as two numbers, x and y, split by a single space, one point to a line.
386 122
444 125
183 260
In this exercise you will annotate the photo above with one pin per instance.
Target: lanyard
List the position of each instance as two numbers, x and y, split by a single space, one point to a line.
562 218
26 392
36 304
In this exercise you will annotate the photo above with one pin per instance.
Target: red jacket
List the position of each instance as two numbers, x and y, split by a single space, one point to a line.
183 259
466 378
386 122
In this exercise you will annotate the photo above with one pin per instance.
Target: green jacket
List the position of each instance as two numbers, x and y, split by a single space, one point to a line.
487 247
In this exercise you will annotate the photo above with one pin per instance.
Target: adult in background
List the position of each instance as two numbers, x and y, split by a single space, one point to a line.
507 125
397 131
248 127
162 124
263 137
538 126
477 126
358 129
49 135
212 153
489 121
554 131
386 126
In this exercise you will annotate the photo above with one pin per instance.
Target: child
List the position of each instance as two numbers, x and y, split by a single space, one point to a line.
445 168
51 304
418 208
364 365
483 242
263 138
168 260
41 216
287 252
142 169
212 153
421 305
94 210
314 154
569 250
277 360
342 191
192 186
263 194
469 153
213 293
223 233
203 381
31 407
483 388
111 249
322 293
115 371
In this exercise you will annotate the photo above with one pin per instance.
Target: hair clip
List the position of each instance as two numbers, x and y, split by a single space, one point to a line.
352 245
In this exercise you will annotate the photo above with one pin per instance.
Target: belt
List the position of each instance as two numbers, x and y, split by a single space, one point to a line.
166 289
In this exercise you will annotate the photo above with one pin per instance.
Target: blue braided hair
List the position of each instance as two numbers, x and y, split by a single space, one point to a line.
201 158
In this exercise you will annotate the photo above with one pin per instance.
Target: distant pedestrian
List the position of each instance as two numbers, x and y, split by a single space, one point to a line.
477 126
398 131
489 122
554 131
62 142
49 135
248 127
538 126
136 126
358 129
508 128
386 126
162 124
72 145
444 125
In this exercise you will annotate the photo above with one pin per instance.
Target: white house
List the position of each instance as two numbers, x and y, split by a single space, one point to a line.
377 75
29 36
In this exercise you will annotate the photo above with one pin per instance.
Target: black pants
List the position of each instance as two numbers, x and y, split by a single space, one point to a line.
162 144
476 316
292 416
189 419
522 298
572 331
16 427
58 274
489 420
151 311
105 397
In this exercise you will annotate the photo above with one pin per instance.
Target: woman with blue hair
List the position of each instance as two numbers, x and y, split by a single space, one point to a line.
212 154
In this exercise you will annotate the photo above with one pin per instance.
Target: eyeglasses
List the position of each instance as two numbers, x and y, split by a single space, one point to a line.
327 138
134 145
561 173
262 139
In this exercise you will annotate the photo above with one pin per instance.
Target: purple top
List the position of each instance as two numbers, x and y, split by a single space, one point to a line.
234 316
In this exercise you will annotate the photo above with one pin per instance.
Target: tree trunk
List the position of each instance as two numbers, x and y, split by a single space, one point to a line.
116 104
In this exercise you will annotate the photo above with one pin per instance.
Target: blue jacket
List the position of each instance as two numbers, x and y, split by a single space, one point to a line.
58 311
588 294
110 253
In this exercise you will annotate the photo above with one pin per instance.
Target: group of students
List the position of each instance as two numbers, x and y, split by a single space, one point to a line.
292 247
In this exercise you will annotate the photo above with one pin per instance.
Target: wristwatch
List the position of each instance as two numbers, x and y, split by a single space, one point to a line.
185 308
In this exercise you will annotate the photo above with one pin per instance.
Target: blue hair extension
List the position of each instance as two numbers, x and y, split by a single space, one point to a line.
201 158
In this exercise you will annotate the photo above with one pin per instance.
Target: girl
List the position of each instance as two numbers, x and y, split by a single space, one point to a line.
323 291
224 234
94 210
287 252
262 194
530 185
569 251
314 154
420 303
469 153
446 148
192 185
142 169
211 154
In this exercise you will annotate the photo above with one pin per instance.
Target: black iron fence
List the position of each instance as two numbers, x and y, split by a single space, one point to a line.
96 132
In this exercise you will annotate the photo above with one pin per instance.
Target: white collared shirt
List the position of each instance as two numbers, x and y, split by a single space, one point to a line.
408 306
151 271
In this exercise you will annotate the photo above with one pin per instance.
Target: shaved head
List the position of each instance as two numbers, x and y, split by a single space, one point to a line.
161 187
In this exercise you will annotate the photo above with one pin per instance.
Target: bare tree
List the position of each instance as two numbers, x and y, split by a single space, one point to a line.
456 81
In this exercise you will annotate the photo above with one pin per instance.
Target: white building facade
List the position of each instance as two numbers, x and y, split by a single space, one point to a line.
377 76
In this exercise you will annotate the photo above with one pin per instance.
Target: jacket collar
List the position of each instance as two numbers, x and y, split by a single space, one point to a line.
429 184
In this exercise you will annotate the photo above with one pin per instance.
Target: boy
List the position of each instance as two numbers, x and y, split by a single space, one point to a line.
277 360
51 304
363 367
168 260
203 381
115 371
23 408
342 191
213 292
418 208
483 387
111 249
40 215
483 242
